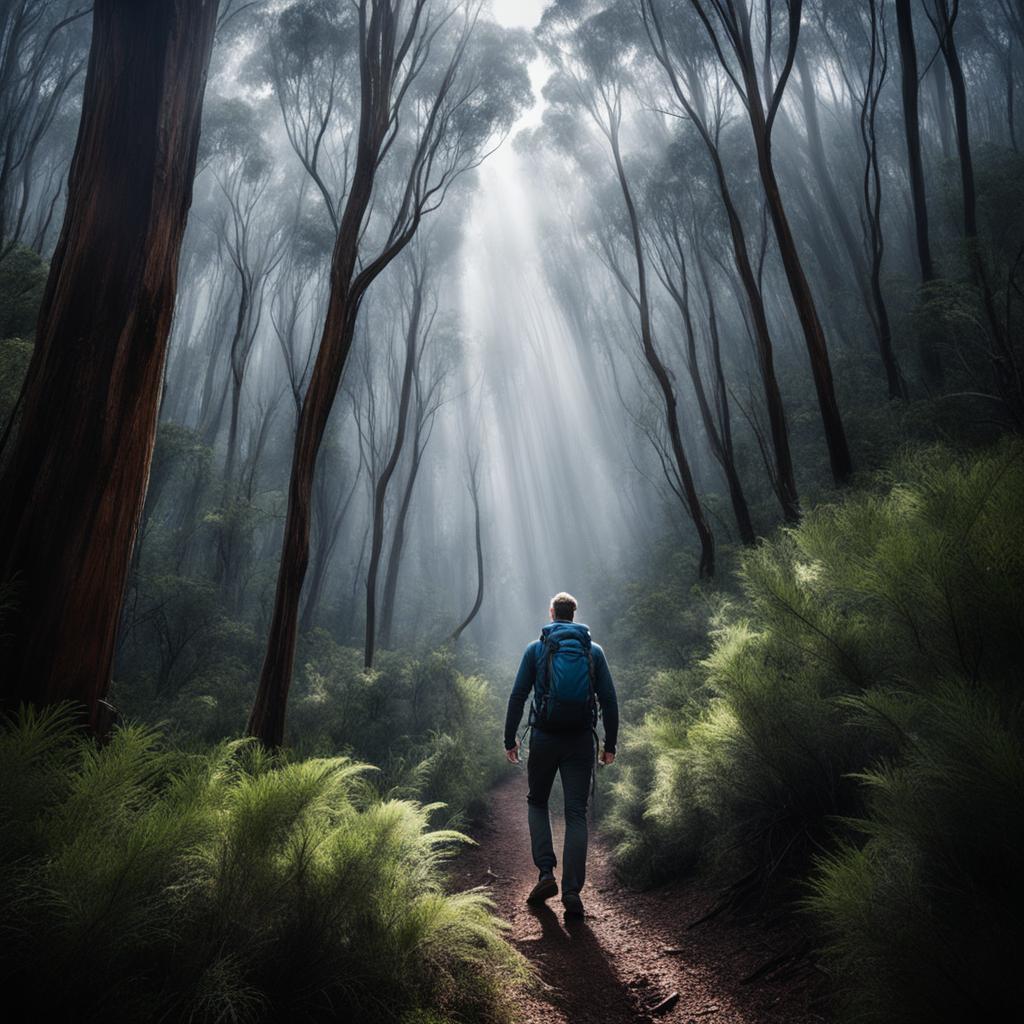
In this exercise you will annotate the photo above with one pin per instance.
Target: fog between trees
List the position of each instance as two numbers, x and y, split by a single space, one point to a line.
465 313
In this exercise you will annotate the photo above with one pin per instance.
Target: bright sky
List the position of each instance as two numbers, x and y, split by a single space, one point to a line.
523 13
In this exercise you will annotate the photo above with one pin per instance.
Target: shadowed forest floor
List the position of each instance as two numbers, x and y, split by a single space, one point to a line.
633 951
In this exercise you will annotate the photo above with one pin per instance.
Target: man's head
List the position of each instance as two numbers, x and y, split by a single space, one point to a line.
563 607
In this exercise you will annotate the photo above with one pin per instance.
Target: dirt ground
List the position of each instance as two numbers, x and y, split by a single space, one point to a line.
634 956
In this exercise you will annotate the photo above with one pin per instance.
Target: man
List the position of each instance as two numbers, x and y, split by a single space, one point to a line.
566 671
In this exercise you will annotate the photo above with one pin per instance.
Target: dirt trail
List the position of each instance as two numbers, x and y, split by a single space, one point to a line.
632 951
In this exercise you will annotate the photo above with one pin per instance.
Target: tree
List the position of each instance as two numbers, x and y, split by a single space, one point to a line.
864 80
674 272
72 490
729 26
931 362
587 50
686 78
42 52
432 94
473 484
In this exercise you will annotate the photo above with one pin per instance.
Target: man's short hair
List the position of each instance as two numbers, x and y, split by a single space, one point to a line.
564 606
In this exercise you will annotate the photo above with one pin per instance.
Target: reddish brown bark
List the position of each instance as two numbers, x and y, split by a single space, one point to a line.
72 491
381 54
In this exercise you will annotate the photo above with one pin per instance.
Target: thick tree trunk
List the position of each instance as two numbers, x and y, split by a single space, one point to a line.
73 489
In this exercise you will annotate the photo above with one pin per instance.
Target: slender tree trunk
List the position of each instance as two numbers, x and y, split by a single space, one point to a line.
1004 359
783 477
73 488
800 289
942 118
390 592
721 448
326 542
872 186
474 490
819 161
380 491
931 363
706 565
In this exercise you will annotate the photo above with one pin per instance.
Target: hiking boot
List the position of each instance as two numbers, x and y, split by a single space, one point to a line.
573 904
545 888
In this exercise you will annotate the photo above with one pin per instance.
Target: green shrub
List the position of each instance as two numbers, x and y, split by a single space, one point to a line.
225 886
858 722
922 918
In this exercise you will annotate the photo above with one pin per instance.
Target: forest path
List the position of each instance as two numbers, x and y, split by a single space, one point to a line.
632 951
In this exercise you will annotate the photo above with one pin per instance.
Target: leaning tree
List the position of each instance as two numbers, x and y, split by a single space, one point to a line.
435 87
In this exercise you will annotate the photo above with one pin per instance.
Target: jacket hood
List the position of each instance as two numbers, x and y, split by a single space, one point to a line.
566 630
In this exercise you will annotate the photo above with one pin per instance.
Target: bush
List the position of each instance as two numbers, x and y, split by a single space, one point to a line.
223 886
858 721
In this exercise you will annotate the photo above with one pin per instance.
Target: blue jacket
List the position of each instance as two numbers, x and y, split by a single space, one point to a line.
527 674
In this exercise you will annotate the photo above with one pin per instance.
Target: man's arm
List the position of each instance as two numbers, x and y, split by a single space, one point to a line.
517 699
606 697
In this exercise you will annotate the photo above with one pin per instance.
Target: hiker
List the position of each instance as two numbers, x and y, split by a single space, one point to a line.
566 671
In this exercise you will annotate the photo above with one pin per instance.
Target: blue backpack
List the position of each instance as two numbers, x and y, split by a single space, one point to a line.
564 691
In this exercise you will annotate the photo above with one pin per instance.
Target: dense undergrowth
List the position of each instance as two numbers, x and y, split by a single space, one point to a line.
853 742
141 882
432 730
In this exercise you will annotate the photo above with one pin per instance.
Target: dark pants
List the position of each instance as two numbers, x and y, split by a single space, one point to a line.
572 756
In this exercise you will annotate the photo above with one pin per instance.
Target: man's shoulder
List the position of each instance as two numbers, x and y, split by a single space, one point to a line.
596 649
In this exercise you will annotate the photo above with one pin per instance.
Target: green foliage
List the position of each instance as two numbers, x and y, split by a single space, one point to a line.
922 917
14 359
225 886
858 721
432 728
22 280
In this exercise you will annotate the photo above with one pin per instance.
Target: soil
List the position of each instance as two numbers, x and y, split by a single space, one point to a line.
634 956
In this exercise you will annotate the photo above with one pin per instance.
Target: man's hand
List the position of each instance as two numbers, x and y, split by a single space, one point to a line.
606 757
513 755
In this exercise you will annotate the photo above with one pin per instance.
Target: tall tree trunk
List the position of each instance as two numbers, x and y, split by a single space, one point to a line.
721 448
380 490
819 161
931 363
1008 377
800 289
872 186
783 477
73 488
326 540
474 490
706 565
390 592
